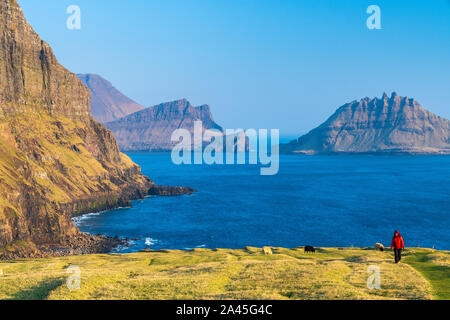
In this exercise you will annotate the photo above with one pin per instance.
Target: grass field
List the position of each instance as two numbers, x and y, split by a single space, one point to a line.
331 273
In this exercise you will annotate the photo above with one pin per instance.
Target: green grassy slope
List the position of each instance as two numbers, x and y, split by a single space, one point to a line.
434 266
332 273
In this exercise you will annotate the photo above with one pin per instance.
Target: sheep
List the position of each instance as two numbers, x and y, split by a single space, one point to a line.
310 249
267 251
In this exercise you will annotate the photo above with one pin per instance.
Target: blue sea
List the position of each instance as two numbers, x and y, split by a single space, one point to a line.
324 201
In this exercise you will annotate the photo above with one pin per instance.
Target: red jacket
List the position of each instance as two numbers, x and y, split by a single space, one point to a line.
397 241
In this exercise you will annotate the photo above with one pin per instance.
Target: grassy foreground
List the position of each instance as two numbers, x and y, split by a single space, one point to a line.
332 273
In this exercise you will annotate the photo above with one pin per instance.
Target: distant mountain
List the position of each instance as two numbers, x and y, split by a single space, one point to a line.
107 103
151 129
391 125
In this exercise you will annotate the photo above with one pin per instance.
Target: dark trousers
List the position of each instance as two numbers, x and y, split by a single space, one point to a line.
398 255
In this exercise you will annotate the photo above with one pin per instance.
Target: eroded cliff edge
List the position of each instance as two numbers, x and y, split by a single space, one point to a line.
55 159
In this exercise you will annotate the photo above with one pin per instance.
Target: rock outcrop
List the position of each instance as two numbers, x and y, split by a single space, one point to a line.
388 125
107 103
151 129
55 159
170 191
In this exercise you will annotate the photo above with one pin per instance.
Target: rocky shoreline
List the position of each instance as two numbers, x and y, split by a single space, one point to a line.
170 191
83 243
90 244
396 152
70 246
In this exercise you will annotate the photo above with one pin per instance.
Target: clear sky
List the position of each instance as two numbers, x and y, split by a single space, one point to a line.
285 64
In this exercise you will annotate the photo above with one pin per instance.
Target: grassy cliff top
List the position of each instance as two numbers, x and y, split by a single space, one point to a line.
331 273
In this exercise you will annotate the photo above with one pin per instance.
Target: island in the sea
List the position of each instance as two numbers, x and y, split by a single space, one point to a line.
151 129
392 124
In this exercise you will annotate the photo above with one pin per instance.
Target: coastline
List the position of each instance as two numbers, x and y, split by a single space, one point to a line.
106 244
83 243
368 153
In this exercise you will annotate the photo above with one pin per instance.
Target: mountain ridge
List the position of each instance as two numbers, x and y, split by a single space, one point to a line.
392 124
107 103
151 129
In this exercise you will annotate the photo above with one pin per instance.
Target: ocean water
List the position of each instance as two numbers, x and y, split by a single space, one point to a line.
324 201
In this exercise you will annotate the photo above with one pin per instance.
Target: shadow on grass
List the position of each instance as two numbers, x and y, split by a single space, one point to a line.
39 292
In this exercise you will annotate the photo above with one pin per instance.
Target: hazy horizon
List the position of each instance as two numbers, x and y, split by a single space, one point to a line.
259 64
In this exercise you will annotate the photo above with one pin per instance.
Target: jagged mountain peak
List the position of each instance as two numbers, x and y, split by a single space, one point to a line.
182 104
395 124
173 110
151 129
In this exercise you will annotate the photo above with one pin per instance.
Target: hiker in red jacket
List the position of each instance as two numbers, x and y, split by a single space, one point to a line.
398 245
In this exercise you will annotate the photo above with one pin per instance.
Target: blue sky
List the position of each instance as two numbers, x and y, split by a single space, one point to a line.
258 63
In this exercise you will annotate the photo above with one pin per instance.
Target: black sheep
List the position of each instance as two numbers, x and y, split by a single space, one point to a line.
310 249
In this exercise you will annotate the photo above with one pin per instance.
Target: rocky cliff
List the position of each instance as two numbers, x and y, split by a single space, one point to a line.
107 103
55 159
151 129
388 124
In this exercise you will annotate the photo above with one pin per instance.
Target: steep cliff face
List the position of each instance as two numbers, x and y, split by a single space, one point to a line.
151 129
107 103
55 159
391 124
30 73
